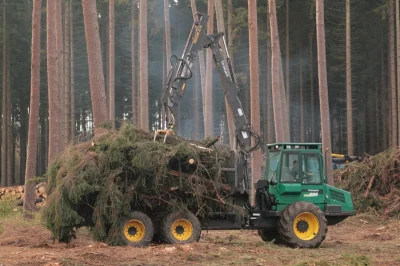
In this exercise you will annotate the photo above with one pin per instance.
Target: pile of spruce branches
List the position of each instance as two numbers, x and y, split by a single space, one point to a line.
97 183
374 182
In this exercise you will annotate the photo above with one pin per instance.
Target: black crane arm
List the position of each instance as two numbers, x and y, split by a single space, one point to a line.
181 72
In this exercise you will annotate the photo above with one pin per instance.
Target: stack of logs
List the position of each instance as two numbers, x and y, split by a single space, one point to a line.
16 193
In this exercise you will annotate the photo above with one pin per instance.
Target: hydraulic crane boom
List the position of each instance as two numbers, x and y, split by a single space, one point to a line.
182 71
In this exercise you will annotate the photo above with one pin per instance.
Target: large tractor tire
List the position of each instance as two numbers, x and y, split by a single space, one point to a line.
180 228
270 235
303 225
137 229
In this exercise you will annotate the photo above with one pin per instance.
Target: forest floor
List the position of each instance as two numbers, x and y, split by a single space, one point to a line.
359 240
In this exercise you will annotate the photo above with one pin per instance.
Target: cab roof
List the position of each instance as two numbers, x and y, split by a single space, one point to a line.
295 146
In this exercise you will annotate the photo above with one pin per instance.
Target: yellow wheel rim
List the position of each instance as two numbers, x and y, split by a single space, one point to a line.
306 226
134 230
182 229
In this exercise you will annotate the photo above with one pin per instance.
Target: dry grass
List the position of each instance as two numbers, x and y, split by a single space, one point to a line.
361 240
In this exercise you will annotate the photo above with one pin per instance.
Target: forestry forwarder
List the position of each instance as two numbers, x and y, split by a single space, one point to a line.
293 206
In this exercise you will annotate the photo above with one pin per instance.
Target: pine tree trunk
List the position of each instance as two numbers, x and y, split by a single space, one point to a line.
72 81
276 70
29 193
143 67
208 100
349 104
167 38
96 75
10 171
23 133
201 66
323 91
392 74
111 66
254 89
287 83
67 80
221 28
52 79
133 62
398 65
312 103
384 98
269 101
302 127
60 71
4 105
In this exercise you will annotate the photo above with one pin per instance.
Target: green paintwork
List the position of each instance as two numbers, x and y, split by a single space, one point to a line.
310 184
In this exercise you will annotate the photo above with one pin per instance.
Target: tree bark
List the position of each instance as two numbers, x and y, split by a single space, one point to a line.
52 79
10 139
254 89
95 63
201 63
398 66
143 67
60 71
167 38
349 103
4 105
269 101
392 74
72 82
323 91
29 193
208 100
67 80
134 85
302 127
111 66
287 83
221 28
276 70
312 103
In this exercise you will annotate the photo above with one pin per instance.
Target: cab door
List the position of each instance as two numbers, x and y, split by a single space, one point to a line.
312 178
303 184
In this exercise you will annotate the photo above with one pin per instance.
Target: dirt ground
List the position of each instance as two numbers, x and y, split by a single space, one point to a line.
360 240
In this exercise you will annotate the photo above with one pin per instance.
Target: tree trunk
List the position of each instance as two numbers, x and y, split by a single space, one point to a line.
201 63
392 73
302 127
52 79
221 28
66 72
135 101
23 133
287 83
323 91
349 104
398 65
254 89
95 63
208 101
72 82
312 103
384 98
4 105
276 70
167 38
60 71
143 67
111 66
29 193
10 139
269 101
